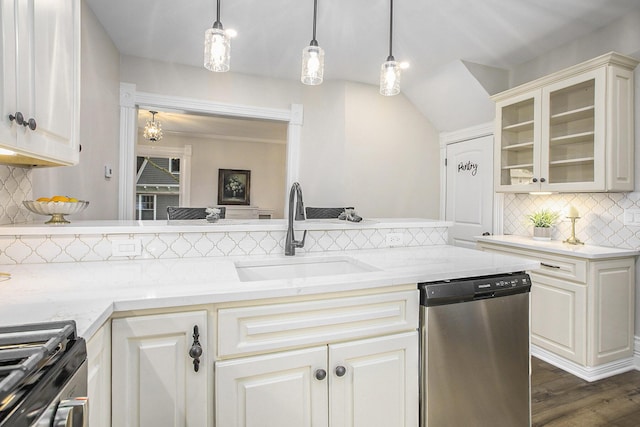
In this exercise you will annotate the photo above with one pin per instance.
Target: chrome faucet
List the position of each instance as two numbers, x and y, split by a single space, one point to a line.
291 243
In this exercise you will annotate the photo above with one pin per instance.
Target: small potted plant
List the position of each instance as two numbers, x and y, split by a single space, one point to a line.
542 221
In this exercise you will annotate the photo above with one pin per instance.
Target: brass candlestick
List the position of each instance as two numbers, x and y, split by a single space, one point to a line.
573 240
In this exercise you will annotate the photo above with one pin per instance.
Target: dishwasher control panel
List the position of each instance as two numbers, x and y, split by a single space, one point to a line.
473 288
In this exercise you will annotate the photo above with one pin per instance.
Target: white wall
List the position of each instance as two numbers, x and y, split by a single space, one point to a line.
266 161
622 36
337 165
392 155
99 129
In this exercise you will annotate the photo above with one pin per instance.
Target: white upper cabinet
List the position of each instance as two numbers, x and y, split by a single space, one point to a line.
570 131
40 81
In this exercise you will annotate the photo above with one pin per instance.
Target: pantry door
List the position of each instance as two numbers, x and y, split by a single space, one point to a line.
469 190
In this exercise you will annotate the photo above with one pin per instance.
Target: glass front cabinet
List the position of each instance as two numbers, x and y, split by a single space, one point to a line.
571 131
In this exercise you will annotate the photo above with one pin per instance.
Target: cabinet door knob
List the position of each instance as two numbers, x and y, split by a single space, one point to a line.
320 374
31 124
196 349
340 371
19 118
535 180
542 180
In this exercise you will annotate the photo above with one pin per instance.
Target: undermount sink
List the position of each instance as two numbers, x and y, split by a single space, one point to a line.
299 268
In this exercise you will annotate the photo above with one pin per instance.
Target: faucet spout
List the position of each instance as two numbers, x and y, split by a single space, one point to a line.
290 242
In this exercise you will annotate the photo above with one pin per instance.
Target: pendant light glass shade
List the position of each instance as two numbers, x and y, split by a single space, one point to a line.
153 128
312 65
390 70
217 47
390 78
313 57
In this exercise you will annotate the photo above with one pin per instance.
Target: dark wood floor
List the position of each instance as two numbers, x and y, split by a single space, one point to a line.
561 399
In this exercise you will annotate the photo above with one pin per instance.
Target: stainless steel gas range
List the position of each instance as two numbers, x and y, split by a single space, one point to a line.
43 376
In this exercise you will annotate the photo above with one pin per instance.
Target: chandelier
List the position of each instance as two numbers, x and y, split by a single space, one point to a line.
153 128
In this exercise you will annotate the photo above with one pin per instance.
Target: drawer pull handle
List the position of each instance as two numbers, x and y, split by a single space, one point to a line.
549 265
340 371
321 374
196 349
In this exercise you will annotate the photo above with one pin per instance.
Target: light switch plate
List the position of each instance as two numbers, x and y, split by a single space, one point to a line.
126 247
632 217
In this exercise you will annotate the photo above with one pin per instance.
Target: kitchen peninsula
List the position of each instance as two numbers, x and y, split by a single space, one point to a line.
138 312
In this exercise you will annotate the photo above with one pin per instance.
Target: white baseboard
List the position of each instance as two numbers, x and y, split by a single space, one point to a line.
590 373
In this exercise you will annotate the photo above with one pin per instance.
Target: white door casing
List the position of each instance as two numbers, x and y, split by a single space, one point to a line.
469 196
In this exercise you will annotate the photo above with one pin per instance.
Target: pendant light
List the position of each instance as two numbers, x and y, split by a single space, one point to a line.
153 128
217 46
390 70
313 57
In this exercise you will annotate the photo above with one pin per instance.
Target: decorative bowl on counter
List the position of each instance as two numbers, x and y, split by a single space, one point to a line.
57 210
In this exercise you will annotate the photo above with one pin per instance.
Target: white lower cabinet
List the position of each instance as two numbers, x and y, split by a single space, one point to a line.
559 318
582 308
99 377
154 379
364 383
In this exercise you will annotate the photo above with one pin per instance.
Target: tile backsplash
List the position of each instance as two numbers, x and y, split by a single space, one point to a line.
601 222
15 186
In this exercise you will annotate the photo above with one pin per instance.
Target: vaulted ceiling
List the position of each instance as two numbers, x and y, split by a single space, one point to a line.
354 33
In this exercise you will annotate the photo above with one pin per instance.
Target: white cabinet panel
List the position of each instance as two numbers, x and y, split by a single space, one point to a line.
99 377
243 330
40 80
279 389
380 384
558 317
154 380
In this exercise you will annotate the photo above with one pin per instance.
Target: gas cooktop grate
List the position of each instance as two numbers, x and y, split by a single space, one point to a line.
26 349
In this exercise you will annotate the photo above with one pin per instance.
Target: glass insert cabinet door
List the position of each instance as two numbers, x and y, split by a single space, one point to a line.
573 125
552 139
518 142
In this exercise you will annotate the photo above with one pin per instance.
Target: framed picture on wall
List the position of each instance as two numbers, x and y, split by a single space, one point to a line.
233 186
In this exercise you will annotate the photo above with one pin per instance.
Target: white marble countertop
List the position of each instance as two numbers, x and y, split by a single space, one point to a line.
38 227
557 247
90 292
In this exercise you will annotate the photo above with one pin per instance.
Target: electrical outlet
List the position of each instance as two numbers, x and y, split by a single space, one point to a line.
631 217
126 247
394 239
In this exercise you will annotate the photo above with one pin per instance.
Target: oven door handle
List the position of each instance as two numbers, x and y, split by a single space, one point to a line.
72 413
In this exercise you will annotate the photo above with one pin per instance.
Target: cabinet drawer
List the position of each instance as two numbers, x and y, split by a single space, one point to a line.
263 328
550 264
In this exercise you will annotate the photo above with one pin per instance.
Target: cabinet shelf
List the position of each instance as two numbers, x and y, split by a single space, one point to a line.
572 138
520 166
519 147
572 162
573 115
516 127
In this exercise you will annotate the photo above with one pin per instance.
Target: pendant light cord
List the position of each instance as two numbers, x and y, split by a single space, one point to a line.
390 31
217 24
315 12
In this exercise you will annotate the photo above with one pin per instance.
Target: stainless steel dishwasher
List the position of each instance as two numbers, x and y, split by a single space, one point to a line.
475 363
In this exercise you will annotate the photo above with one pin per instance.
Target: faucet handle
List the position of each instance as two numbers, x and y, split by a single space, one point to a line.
300 243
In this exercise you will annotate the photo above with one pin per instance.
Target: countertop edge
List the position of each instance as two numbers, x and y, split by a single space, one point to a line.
558 247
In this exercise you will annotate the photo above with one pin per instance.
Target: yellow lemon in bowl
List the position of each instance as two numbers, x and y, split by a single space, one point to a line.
43 199
59 199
